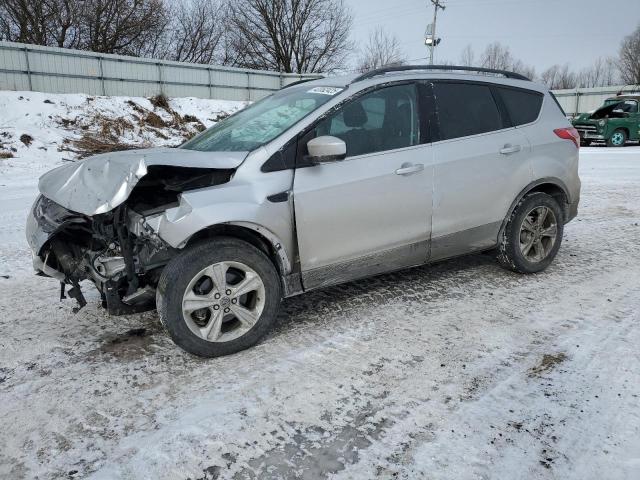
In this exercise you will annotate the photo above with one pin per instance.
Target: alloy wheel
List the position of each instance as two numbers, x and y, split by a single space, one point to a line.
223 301
538 234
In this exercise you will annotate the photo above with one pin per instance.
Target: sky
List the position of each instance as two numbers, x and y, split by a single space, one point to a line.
539 32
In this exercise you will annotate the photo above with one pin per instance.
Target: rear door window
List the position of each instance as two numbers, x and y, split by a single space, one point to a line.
523 106
465 109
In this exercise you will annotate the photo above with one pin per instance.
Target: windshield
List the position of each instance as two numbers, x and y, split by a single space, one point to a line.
263 121
628 106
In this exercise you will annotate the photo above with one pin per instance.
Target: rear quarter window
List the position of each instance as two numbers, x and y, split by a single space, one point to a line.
523 106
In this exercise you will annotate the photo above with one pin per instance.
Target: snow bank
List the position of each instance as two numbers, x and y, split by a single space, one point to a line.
39 131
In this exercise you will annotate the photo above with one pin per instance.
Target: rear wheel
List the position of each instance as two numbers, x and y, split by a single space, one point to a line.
218 297
618 138
533 234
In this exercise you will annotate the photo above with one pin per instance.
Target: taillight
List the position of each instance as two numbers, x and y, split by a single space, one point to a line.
569 133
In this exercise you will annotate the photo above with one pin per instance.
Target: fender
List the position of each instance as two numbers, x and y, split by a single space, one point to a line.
271 221
276 243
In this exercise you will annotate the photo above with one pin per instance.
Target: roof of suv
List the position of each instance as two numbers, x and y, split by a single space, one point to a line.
443 72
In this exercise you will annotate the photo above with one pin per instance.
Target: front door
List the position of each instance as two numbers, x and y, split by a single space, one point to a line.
370 212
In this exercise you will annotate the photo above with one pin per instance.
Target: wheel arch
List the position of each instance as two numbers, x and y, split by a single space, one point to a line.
251 233
624 128
551 186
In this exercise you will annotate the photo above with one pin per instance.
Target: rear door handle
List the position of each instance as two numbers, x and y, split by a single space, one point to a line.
409 168
508 149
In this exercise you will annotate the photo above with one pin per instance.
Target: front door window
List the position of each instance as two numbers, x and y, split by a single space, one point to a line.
385 119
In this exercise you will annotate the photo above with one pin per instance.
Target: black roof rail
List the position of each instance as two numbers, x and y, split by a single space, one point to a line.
298 82
404 68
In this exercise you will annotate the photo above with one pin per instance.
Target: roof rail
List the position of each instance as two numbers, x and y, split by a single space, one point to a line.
298 82
404 68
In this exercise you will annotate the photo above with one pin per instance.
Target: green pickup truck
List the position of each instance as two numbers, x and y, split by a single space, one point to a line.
617 121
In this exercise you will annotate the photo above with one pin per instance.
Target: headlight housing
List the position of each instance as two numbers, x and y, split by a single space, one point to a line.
602 122
50 215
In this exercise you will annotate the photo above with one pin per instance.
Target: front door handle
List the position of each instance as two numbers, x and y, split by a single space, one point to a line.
409 168
508 149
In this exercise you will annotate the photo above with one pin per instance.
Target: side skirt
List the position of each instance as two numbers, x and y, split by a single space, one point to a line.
367 266
457 244
472 240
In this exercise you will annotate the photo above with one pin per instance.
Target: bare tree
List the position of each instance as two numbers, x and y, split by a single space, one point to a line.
41 22
518 66
499 57
602 73
559 77
468 56
382 48
196 31
289 35
496 56
128 27
629 61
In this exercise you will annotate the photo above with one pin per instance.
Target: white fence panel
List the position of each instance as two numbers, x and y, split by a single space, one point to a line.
582 100
59 70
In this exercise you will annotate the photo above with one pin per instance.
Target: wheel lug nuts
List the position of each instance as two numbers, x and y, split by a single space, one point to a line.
228 292
216 296
216 307
226 310
234 300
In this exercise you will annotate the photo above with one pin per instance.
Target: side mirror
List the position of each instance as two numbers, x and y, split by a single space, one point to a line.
326 149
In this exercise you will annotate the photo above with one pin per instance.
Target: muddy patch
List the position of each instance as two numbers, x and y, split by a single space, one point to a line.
128 345
313 452
548 363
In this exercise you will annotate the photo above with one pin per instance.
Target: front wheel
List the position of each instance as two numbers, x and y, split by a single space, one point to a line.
617 139
218 297
532 235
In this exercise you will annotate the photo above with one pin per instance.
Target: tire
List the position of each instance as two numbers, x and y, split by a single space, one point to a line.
618 138
235 322
523 250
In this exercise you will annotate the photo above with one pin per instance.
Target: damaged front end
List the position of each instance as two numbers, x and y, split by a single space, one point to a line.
103 249
117 249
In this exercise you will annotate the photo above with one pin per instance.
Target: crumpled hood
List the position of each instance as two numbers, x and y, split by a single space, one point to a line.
100 183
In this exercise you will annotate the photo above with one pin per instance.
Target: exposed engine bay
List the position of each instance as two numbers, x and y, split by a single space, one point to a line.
117 250
619 109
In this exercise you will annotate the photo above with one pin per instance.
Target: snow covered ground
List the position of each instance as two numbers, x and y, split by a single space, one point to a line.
460 370
37 130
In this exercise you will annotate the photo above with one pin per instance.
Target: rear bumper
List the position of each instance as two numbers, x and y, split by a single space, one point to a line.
572 210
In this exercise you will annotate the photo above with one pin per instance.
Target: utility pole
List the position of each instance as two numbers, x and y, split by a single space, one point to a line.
431 40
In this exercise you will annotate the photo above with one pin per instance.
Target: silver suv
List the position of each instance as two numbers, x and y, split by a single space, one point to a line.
323 182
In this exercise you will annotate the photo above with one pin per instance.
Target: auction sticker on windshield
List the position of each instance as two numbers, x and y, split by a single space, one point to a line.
325 90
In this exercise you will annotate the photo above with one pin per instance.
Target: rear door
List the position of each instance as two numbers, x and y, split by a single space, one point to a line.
481 163
370 212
